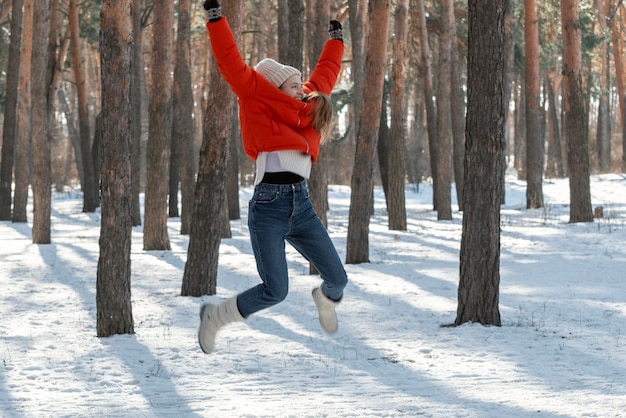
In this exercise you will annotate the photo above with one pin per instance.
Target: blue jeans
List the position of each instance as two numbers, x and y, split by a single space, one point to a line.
279 213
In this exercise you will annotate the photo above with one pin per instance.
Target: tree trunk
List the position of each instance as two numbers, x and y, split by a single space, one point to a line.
396 207
282 21
479 283
54 24
603 134
42 191
534 138
155 236
291 18
357 249
55 61
135 109
174 172
317 26
23 162
187 149
382 147
318 184
509 73
225 231
200 276
232 178
96 149
563 157
520 133
182 123
431 111
615 23
90 200
444 118
575 115
113 289
9 131
359 35
457 112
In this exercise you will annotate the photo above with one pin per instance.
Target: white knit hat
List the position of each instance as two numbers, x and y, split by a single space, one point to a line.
275 72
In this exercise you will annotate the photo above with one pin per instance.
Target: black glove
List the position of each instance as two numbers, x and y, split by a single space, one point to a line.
213 10
335 31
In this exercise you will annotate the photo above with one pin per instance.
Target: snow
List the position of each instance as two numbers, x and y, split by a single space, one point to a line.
561 350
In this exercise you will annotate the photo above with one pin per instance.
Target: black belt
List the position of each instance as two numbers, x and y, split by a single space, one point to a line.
282 177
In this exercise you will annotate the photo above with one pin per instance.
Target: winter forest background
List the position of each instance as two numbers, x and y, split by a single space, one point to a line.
471 137
121 100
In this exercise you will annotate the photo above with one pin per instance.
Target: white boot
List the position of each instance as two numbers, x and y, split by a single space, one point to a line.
326 309
214 317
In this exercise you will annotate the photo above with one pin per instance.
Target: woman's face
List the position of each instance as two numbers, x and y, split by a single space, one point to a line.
293 87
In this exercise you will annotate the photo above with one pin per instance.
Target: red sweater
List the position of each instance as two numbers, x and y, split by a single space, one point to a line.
270 119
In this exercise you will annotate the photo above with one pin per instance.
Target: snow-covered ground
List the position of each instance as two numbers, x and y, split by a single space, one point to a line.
561 351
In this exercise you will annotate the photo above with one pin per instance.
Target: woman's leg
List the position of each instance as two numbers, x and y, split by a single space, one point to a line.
309 236
268 222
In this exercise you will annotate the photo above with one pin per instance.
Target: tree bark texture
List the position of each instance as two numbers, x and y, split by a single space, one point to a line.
23 167
509 72
359 35
479 283
96 153
444 118
135 109
183 168
519 145
603 134
9 127
357 249
155 236
90 200
383 144
575 115
291 19
113 283
396 207
616 24
42 192
54 59
183 126
200 276
282 21
232 178
317 26
457 110
534 138
54 76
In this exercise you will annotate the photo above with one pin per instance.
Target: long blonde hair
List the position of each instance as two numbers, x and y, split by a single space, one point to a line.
322 112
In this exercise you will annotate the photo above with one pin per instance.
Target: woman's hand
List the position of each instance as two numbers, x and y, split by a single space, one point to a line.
213 10
335 31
